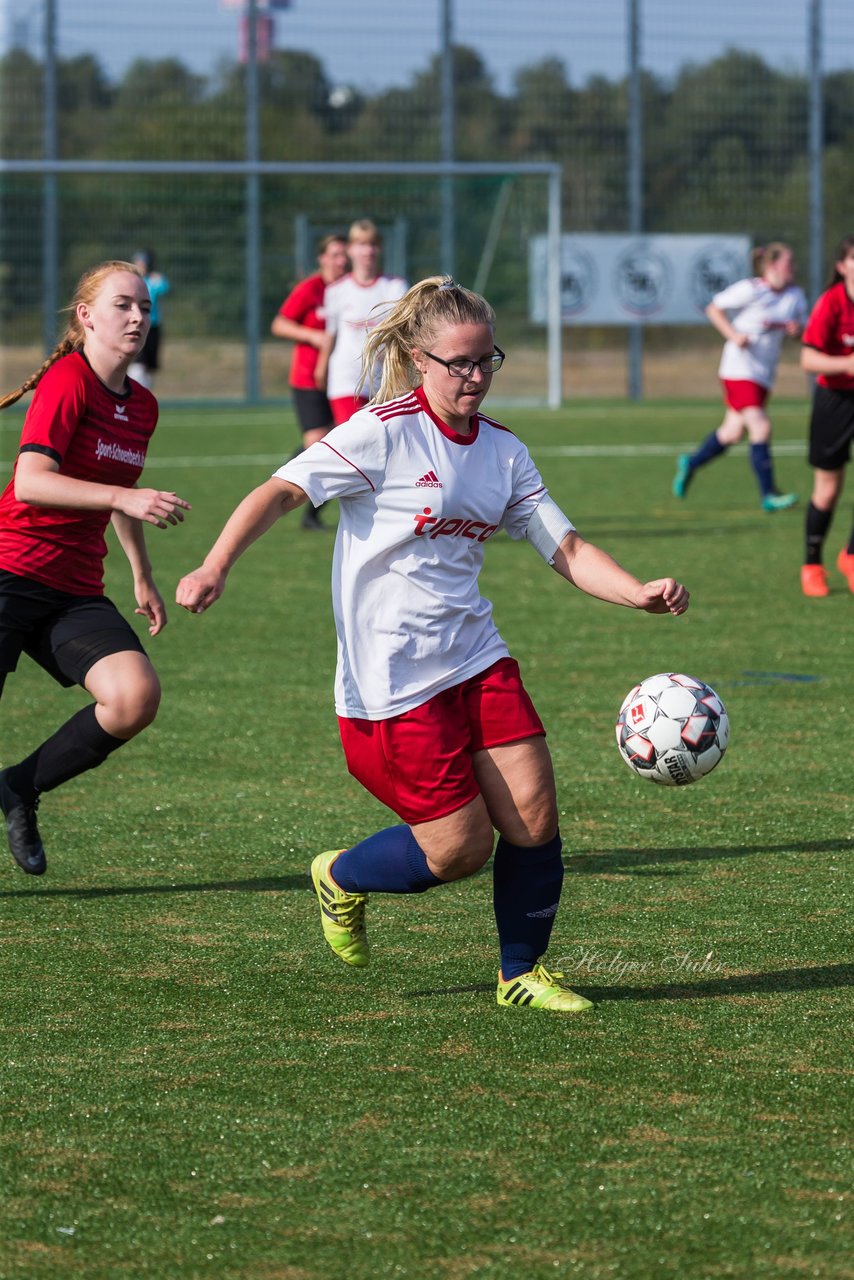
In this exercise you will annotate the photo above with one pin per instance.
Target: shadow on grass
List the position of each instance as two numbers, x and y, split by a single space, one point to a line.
632 861
261 884
818 977
616 862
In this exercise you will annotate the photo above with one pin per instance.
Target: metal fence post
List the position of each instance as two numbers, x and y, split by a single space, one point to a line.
814 148
634 141
252 269
50 216
447 144
555 319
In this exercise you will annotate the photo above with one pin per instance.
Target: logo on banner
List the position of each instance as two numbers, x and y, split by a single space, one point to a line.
577 281
642 279
712 270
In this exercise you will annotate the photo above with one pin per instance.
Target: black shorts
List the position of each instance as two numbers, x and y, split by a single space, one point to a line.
831 428
312 409
149 356
64 634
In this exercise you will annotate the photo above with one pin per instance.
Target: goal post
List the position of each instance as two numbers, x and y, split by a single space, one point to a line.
227 230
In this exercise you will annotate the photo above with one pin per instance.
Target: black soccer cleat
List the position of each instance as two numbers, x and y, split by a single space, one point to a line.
22 829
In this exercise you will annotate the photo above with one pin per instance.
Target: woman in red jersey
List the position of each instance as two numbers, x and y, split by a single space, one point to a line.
82 450
300 319
828 351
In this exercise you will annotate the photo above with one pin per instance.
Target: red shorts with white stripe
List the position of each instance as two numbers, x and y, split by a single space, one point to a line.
419 763
743 394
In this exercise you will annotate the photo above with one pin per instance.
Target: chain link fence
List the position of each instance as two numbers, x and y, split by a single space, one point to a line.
665 116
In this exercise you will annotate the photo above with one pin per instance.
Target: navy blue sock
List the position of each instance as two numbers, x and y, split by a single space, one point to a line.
391 861
818 523
526 893
760 460
709 449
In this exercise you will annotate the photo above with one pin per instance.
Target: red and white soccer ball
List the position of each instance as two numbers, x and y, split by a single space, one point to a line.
672 729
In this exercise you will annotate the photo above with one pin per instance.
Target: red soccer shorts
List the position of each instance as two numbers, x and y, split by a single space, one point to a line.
343 407
743 394
419 763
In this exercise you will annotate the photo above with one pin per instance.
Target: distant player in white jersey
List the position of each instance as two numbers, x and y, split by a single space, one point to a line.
753 316
434 719
352 306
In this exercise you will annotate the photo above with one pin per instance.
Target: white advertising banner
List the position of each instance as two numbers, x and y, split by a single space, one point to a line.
620 279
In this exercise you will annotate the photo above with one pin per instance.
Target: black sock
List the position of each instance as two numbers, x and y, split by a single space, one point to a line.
818 523
78 745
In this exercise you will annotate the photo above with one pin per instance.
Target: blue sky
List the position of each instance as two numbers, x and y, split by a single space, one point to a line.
376 43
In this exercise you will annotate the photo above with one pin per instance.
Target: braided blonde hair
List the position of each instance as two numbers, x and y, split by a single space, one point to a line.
88 287
416 320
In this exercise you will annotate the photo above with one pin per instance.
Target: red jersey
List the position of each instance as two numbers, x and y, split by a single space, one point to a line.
304 305
830 329
94 434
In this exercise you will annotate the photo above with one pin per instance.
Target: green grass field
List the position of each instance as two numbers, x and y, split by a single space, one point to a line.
193 1086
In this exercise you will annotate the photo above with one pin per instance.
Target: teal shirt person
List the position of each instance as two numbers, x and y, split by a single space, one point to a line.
158 286
148 361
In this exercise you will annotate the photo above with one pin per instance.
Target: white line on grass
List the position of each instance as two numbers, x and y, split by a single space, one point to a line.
641 450
538 451
275 460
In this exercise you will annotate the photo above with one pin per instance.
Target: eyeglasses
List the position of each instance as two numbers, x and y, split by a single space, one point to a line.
465 368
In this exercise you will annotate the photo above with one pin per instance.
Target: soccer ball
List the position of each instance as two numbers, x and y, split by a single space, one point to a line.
672 729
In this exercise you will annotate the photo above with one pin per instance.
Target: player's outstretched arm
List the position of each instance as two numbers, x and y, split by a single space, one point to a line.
257 513
131 535
39 482
596 573
815 361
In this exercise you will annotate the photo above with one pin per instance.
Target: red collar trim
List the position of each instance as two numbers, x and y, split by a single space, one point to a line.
448 432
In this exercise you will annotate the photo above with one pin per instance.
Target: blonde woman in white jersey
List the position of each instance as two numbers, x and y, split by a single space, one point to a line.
434 719
351 306
753 316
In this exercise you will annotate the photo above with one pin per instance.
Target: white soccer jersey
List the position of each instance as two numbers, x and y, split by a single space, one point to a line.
418 502
762 313
349 313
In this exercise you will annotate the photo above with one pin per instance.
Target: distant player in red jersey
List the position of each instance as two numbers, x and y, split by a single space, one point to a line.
300 319
434 719
828 351
82 450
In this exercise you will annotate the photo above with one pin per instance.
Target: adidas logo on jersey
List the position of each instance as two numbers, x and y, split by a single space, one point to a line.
429 481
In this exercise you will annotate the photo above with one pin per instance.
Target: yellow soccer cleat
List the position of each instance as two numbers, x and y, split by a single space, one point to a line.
540 989
341 914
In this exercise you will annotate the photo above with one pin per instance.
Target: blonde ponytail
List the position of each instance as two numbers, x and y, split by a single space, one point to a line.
416 320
